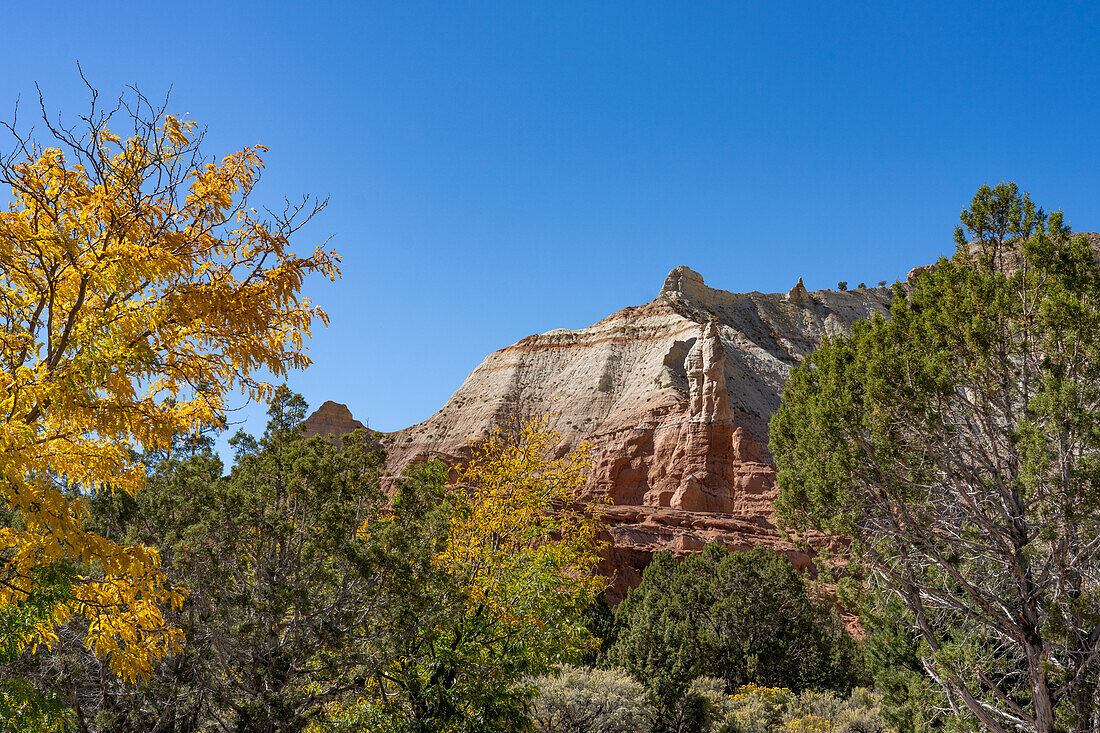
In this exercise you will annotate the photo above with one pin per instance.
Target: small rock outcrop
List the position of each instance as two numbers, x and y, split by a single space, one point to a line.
331 419
683 282
916 272
798 294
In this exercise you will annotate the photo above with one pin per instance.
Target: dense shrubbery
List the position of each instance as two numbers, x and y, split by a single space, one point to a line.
911 702
739 617
586 700
283 593
754 709
583 700
316 602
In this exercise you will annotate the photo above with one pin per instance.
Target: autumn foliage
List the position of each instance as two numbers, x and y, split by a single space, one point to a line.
137 291
525 546
502 561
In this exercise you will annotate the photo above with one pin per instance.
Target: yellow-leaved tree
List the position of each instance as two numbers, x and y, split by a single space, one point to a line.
522 554
498 568
138 290
525 545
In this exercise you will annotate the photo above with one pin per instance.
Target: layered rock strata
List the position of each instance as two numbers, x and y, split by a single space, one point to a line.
674 397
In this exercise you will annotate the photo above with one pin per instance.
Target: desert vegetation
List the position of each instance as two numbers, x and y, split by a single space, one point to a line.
955 443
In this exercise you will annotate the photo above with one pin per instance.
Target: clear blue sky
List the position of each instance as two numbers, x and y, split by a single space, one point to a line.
500 169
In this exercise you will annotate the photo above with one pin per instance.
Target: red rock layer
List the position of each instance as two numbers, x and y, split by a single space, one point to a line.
674 397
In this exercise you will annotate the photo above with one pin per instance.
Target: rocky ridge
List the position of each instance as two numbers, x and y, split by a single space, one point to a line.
674 396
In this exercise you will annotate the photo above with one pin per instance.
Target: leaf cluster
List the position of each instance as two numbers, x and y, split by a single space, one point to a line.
138 289
287 596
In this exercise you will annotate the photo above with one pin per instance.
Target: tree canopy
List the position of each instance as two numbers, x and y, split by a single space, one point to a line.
958 443
501 598
138 289
740 617
318 603
288 597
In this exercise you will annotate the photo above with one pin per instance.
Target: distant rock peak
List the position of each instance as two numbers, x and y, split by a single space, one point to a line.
683 282
798 294
331 419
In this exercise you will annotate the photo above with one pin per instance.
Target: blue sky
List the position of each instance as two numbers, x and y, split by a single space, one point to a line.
501 169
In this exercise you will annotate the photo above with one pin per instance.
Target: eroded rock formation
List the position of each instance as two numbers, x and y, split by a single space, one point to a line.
674 396
331 419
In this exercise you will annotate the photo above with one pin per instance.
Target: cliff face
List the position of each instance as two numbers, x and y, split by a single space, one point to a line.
674 396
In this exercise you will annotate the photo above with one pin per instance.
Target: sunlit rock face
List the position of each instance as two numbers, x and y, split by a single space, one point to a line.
331 419
674 397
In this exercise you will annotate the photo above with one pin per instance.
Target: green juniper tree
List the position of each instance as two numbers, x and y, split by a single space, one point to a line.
892 656
957 443
739 617
315 602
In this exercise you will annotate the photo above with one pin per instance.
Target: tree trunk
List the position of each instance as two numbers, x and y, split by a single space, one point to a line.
1040 691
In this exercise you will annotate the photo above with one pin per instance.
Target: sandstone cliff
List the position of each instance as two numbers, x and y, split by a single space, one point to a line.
675 397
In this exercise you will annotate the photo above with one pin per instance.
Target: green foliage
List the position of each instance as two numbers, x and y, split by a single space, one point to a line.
599 620
286 596
458 665
314 601
496 575
958 444
451 670
20 622
587 700
295 590
24 707
892 653
700 709
739 617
